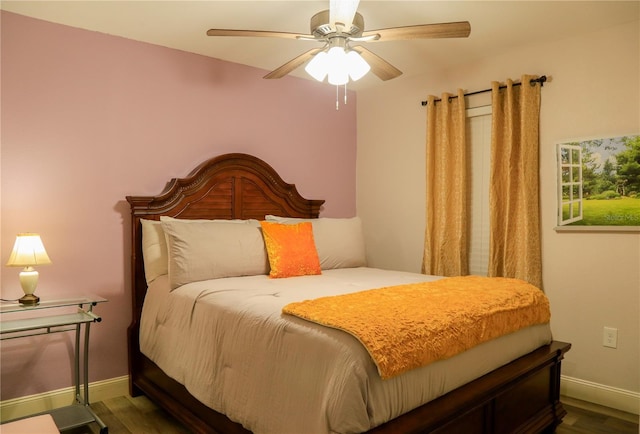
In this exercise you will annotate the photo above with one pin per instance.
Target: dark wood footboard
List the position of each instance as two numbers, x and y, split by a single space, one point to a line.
521 397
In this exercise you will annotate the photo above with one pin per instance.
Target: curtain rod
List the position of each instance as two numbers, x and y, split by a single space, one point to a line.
533 81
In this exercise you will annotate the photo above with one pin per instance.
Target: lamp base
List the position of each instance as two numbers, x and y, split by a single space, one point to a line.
29 300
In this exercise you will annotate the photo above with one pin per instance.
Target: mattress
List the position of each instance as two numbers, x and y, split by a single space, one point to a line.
228 342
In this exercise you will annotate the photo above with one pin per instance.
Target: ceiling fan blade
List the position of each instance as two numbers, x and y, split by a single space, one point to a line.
460 29
293 64
380 67
255 33
342 11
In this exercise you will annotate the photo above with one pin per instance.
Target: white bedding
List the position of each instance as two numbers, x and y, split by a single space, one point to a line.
227 341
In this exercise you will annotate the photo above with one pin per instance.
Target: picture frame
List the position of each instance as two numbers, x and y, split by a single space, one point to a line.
598 184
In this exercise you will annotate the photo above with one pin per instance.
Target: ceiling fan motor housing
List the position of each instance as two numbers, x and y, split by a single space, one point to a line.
321 26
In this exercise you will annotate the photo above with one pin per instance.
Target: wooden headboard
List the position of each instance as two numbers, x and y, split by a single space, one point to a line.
230 186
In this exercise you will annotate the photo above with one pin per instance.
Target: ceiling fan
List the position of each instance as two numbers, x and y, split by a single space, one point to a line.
338 28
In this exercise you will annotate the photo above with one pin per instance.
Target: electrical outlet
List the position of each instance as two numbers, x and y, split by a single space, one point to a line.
610 337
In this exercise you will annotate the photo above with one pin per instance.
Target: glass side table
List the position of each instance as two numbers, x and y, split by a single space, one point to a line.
44 319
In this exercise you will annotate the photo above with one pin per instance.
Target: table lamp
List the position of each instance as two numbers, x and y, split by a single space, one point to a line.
28 251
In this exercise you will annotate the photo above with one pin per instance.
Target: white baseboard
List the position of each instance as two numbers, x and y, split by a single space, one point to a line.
612 397
27 405
619 399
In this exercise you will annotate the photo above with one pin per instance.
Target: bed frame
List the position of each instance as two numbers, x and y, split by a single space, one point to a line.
521 397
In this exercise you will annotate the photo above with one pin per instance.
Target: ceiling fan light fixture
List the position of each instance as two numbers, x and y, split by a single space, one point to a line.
338 70
338 77
356 65
338 65
318 67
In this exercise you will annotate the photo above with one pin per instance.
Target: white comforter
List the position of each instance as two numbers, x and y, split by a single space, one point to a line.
228 342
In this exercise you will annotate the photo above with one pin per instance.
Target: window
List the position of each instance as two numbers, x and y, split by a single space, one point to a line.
479 146
569 184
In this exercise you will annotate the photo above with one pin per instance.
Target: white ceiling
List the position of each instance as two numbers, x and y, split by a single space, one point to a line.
496 26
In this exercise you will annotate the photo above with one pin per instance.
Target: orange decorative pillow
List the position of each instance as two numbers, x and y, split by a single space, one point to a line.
291 249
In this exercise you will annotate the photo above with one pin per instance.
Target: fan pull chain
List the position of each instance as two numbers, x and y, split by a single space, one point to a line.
338 96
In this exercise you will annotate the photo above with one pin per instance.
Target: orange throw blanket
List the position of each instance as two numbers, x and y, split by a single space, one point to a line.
408 326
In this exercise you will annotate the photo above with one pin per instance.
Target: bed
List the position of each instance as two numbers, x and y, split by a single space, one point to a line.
519 395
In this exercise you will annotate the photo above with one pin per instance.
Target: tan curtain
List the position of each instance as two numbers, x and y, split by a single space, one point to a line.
446 233
514 240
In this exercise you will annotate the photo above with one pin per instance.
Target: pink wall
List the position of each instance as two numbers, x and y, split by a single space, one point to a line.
89 118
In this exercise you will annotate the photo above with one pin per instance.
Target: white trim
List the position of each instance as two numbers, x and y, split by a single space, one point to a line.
612 397
572 202
27 405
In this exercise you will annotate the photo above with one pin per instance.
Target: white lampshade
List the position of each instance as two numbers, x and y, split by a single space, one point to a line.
338 68
28 251
356 65
317 67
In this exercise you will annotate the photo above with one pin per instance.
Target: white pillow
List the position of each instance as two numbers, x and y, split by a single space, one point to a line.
339 241
154 250
154 245
211 249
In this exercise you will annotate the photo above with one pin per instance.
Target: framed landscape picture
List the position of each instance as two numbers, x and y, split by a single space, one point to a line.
599 184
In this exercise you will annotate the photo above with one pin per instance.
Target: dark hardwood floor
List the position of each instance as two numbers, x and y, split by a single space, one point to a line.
587 418
125 415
